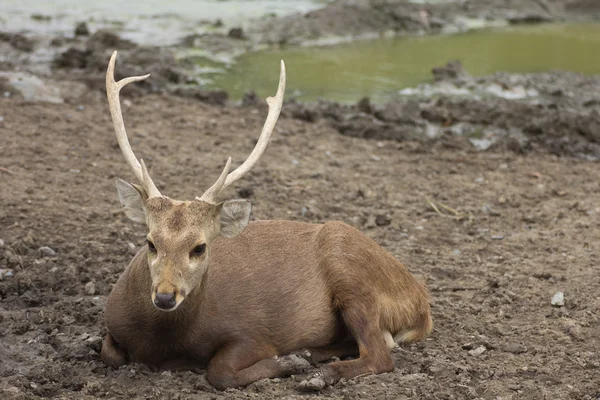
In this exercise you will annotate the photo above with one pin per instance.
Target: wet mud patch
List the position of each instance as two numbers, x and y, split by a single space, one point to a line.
557 112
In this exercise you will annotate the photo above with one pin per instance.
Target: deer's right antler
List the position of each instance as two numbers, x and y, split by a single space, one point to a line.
226 178
112 92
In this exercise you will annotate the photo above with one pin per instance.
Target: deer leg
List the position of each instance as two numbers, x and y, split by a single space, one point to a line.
111 353
374 356
314 355
238 365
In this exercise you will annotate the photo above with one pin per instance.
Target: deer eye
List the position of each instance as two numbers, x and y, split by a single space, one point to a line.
199 250
151 246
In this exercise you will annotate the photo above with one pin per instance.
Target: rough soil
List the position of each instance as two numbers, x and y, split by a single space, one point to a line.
527 228
526 223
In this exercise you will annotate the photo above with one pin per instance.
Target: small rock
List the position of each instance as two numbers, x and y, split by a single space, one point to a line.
33 385
383 220
40 17
90 288
312 385
236 33
5 273
479 180
558 299
497 237
1 242
32 88
489 210
478 351
364 105
82 29
80 108
501 200
46 251
514 348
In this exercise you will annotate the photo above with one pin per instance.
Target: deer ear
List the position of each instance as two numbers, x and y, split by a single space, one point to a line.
235 215
132 199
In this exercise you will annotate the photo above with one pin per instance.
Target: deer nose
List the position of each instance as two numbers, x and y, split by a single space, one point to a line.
165 301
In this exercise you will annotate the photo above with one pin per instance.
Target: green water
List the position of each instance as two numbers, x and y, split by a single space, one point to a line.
381 67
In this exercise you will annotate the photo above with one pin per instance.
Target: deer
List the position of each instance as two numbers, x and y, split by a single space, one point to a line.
243 301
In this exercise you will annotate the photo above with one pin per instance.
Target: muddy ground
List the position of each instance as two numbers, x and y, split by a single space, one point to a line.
525 224
527 227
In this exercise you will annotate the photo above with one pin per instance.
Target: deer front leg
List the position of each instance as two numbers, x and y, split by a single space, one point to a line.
111 353
240 364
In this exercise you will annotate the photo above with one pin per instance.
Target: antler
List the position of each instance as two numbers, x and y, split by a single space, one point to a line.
112 92
226 178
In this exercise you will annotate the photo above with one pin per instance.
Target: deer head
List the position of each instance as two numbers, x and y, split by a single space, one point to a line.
180 233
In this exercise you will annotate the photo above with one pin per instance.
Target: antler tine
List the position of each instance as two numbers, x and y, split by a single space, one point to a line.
210 195
275 103
112 92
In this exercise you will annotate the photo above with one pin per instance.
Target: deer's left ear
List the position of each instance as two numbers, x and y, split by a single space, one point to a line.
235 215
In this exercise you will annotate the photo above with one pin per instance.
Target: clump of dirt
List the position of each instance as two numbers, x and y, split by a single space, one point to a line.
18 41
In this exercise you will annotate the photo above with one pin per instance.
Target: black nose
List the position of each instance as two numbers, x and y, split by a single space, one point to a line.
165 301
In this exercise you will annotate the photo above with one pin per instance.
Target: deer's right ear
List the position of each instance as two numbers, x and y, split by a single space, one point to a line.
132 199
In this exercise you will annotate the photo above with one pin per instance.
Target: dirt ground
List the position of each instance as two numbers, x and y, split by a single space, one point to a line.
527 227
515 224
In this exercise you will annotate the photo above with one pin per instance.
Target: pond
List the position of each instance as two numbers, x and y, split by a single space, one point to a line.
380 68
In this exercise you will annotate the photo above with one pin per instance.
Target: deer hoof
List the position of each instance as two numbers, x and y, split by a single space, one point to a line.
294 364
307 355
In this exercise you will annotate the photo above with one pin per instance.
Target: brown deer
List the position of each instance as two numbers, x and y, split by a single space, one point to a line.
252 300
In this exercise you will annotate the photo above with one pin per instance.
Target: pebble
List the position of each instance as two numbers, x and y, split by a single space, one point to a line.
383 220
90 288
5 273
477 351
1 242
497 237
46 251
514 348
558 299
479 180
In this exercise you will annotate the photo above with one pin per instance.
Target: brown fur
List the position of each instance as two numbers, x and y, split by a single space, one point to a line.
276 288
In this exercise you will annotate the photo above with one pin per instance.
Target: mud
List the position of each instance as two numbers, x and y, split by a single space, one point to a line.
557 112
494 233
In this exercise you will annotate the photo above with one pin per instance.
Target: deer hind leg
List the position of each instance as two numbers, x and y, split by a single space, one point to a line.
374 354
240 364
314 355
111 353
